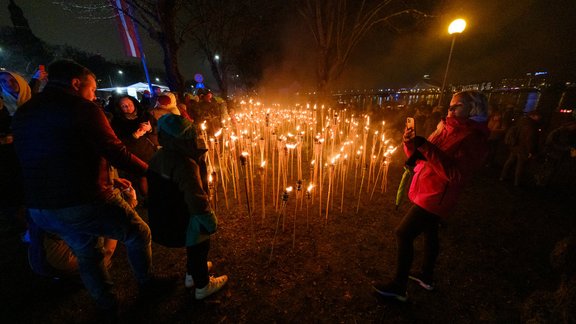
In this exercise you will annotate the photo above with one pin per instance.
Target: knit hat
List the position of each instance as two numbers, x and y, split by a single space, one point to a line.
166 100
177 127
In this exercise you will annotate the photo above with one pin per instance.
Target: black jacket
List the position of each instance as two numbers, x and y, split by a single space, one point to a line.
64 144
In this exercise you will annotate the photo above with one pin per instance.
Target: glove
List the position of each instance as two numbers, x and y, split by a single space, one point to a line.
411 161
418 141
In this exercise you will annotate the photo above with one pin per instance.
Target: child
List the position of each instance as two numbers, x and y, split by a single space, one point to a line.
179 205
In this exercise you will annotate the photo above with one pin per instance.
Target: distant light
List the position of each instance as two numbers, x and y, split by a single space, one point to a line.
217 57
157 79
120 72
457 26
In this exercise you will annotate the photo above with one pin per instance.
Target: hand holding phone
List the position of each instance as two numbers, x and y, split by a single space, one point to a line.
41 73
409 132
410 123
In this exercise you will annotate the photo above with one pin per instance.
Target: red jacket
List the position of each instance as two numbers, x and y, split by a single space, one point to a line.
453 153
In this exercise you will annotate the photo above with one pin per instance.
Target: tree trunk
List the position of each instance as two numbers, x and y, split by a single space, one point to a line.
169 44
219 73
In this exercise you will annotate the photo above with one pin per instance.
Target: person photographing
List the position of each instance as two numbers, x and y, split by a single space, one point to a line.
444 163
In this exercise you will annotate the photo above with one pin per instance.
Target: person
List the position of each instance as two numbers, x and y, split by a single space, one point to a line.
14 92
50 256
206 111
191 101
147 100
444 164
522 140
560 156
432 121
132 126
165 104
65 143
497 131
179 205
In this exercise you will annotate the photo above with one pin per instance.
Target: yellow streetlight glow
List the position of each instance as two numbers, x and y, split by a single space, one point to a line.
457 26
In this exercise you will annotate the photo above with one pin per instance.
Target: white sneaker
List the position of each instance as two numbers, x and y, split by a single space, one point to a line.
189 281
213 286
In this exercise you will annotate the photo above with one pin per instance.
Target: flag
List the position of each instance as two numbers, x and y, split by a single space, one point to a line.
127 28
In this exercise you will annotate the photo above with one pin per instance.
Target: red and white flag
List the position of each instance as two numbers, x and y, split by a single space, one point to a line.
126 28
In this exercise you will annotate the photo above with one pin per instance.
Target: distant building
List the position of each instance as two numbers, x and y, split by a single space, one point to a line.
530 80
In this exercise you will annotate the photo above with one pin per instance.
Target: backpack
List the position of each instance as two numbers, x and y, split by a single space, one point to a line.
512 135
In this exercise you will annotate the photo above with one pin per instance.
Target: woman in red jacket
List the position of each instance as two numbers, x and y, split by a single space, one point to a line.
444 164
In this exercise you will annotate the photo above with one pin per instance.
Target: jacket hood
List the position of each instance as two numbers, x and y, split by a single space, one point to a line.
138 110
24 94
176 133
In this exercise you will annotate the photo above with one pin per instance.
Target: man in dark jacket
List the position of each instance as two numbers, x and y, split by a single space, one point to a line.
65 144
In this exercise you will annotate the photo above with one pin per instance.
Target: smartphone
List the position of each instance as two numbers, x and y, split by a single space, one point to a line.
410 123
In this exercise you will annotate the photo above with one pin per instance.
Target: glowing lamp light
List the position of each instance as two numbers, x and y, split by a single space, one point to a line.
457 26
289 189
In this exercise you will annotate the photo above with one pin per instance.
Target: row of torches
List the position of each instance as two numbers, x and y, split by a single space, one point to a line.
273 144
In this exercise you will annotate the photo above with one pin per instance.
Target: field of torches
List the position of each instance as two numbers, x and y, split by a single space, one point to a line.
306 160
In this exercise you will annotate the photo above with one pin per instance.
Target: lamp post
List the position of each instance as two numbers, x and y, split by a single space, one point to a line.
455 28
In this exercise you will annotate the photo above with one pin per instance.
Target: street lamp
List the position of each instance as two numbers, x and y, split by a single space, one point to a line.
455 28
217 57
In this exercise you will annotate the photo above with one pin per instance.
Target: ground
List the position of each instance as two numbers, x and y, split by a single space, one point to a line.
495 254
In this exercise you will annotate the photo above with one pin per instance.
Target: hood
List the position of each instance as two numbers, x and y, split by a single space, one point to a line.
24 94
176 133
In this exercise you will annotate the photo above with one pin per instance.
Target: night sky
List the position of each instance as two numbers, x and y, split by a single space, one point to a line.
503 39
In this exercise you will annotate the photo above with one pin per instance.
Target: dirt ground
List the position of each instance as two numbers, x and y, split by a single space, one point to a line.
495 253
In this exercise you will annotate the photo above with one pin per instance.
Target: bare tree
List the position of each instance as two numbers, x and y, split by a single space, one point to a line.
227 30
338 26
164 21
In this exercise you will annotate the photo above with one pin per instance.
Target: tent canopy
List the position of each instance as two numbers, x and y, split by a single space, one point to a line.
133 89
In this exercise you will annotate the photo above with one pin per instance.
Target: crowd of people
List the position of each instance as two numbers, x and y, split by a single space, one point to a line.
71 169
74 170
524 147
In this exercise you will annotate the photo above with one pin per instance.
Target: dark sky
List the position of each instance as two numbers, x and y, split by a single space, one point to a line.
502 39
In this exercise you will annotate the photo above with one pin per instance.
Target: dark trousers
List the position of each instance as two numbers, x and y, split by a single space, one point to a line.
417 221
196 266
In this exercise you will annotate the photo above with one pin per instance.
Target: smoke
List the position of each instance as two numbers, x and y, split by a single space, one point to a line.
503 39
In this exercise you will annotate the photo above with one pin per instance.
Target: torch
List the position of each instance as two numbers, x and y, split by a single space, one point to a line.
298 190
285 197
308 198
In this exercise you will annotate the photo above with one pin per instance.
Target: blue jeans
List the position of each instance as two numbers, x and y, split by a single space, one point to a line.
81 226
